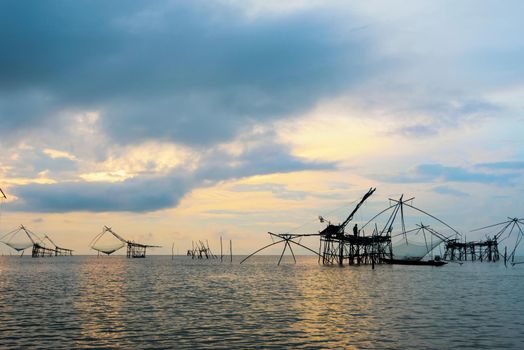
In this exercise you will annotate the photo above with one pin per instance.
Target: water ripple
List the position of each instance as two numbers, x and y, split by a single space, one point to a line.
114 302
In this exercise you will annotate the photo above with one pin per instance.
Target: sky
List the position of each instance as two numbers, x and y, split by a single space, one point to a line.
173 121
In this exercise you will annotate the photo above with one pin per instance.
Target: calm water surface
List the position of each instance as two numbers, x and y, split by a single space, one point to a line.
114 302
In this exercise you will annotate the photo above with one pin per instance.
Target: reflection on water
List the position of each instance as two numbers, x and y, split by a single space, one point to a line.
71 302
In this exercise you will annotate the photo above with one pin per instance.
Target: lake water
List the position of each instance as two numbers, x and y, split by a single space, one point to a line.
114 302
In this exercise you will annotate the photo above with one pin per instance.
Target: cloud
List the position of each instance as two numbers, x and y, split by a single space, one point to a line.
445 190
459 174
240 213
417 130
260 156
30 162
136 195
87 77
201 73
507 165
282 191
179 71
278 190
146 193
417 111
425 173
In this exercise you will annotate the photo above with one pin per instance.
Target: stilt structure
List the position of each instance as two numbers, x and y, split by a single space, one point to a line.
59 251
488 249
354 250
338 247
408 251
41 251
15 239
199 250
134 250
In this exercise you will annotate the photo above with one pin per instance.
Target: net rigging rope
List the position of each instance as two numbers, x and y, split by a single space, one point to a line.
105 243
13 240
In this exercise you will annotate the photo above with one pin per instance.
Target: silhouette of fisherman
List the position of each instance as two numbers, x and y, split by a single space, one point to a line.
355 230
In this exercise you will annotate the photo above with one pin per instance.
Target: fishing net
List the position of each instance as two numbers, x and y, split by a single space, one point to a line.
414 250
19 245
18 239
105 242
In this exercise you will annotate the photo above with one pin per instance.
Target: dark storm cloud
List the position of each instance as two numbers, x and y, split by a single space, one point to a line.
136 195
192 72
23 110
150 193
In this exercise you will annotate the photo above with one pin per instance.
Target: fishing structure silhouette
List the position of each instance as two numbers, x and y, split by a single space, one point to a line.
40 247
336 246
134 250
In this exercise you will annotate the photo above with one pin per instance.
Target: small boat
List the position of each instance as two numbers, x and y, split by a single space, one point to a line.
435 262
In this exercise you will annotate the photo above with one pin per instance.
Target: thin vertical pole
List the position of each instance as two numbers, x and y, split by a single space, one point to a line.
231 249
291 250
283 251
319 250
173 251
221 254
340 252
373 250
